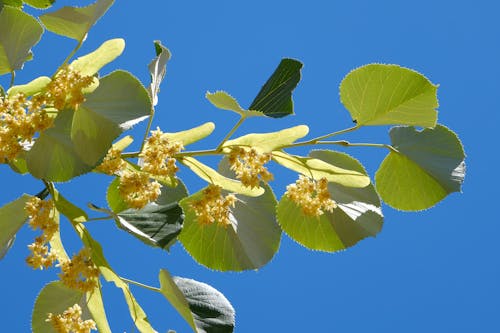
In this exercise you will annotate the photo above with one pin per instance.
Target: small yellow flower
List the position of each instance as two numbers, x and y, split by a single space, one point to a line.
112 163
213 207
70 321
137 190
79 272
158 154
66 90
42 215
249 166
312 196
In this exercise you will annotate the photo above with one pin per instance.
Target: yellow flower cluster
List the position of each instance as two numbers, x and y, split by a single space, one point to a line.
112 163
20 119
70 321
42 216
137 190
158 154
213 207
312 196
249 165
66 90
80 272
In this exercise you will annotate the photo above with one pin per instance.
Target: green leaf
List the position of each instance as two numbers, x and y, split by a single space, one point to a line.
192 135
157 69
12 218
75 22
91 63
18 164
55 298
68 209
6 247
379 94
249 242
116 105
222 100
317 169
136 312
275 97
267 142
31 88
358 213
19 32
53 157
211 176
204 308
154 225
12 3
429 166
40 4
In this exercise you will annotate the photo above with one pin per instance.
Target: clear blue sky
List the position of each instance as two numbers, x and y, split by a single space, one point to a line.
435 271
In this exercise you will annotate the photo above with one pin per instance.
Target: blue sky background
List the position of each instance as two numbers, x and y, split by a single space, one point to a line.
434 271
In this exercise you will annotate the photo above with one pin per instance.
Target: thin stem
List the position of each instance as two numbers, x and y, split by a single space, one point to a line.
198 153
12 78
231 132
356 144
323 137
131 155
148 128
145 286
99 218
68 58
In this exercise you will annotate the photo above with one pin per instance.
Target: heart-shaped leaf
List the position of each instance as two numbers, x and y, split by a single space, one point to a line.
205 309
379 94
249 242
19 32
357 215
429 165
75 22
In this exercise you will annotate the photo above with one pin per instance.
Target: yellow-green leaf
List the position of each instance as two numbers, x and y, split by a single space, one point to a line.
29 89
91 63
192 135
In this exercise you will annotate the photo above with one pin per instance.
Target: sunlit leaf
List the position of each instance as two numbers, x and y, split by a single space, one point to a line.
222 100
358 213
55 298
31 88
192 135
157 69
429 166
18 164
75 22
267 142
379 94
12 218
91 63
117 104
12 3
317 169
19 32
95 306
68 209
204 308
212 176
275 97
249 242
40 4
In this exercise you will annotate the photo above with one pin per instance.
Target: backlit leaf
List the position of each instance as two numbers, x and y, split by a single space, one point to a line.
275 97
31 88
12 218
157 69
379 94
204 308
222 100
267 142
358 214
249 242
40 4
19 32
75 22
317 169
429 166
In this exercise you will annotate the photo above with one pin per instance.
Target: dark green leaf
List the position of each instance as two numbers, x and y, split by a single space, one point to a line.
205 309
428 166
275 97
19 32
75 22
157 69
155 225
